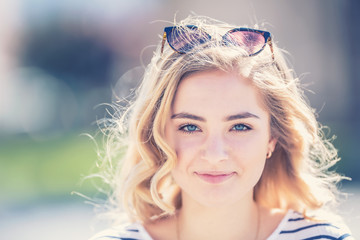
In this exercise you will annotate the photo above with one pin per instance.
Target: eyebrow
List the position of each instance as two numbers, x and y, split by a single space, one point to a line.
184 115
241 116
187 116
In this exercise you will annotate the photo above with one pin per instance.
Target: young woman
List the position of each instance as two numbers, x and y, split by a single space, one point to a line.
221 144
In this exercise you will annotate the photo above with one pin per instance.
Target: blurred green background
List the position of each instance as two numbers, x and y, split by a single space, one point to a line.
60 61
45 170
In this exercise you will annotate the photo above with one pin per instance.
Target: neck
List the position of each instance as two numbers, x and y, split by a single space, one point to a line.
239 220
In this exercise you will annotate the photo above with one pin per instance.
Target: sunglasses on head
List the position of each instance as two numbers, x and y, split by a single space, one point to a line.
184 38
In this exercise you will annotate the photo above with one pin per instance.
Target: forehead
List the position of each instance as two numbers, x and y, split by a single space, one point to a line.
218 91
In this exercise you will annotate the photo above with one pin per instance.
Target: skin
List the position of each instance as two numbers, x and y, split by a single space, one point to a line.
221 134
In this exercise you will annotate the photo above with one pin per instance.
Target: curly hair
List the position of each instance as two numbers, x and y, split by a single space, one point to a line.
296 176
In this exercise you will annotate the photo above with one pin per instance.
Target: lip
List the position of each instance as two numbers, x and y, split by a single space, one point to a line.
215 177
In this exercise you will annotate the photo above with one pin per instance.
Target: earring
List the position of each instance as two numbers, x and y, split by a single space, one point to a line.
268 154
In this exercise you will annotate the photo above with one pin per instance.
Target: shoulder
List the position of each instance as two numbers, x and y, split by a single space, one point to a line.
133 231
296 226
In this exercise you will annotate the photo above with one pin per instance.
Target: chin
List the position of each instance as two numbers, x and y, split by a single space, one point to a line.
218 199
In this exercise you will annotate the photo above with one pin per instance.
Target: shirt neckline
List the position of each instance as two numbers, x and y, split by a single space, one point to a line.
272 236
280 226
143 231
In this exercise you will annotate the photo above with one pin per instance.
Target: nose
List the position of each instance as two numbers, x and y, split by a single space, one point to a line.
215 149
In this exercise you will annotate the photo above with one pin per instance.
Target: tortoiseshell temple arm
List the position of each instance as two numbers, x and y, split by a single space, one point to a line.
271 48
163 42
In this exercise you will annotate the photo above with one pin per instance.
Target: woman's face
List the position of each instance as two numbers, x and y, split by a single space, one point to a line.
221 134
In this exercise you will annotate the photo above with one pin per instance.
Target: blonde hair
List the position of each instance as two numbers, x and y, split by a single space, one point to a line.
296 176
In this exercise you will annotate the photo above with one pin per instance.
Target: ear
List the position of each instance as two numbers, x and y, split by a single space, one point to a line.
272 144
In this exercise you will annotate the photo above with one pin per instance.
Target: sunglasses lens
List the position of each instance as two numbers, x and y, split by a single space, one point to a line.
184 39
251 42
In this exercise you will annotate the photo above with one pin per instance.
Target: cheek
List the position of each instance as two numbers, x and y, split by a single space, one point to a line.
250 148
186 160
186 147
250 156
250 144
186 150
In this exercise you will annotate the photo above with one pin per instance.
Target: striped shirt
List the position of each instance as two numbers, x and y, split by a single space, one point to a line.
292 227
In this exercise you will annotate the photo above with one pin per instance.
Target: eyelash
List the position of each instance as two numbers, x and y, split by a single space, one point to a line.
247 127
182 128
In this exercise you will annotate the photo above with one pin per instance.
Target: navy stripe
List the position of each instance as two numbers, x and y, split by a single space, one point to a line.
132 230
321 237
295 219
344 236
310 226
120 238
329 237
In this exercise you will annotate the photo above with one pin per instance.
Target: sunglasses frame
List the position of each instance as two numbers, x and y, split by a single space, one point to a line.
267 37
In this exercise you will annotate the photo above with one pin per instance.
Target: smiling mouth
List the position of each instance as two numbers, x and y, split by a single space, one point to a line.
215 177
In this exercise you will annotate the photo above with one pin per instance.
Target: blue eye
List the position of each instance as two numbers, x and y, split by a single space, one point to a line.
240 127
189 128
